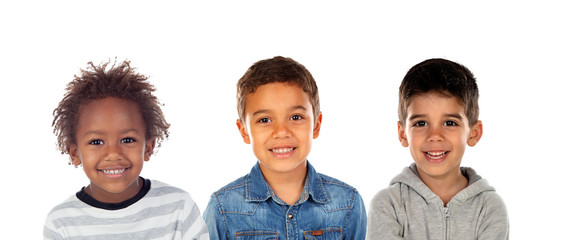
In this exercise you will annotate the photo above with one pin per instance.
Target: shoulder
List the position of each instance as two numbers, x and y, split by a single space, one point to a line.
159 188
167 203
400 194
400 187
230 198
339 192
493 200
394 190
232 187
163 194
65 214
67 207
389 196
335 183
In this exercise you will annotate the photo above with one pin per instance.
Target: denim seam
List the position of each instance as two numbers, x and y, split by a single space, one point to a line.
257 233
251 213
326 199
350 208
223 217
228 189
248 189
339 183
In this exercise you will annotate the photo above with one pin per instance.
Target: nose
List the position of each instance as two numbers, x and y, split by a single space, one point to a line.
281 130
113 152
435 134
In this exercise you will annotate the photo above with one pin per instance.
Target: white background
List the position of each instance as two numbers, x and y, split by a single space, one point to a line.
522 53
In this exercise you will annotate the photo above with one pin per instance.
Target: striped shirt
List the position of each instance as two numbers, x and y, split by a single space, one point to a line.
158 211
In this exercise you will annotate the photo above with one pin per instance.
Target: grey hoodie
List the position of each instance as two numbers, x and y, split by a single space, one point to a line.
408 209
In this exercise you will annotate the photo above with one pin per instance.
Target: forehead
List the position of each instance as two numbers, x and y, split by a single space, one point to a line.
433 102
110 112
277 95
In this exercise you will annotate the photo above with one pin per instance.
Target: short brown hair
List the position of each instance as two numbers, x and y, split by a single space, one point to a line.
277 69
120 81
444 77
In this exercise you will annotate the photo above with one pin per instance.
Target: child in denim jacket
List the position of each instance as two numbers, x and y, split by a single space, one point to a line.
283 197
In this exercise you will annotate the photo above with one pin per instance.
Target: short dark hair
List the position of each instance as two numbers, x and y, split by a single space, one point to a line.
444 77
96 82
277 69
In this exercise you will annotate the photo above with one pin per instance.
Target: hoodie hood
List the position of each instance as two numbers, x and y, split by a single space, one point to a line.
476 185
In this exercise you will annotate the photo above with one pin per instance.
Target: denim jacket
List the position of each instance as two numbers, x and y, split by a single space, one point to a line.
248 208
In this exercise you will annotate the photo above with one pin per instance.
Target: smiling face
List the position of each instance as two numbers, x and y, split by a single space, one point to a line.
111 145
437 131
280 125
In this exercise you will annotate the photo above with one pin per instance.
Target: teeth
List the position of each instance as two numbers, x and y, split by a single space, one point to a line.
436 155
114 171
282 150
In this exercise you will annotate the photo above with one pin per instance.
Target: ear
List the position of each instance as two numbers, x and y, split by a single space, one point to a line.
401 134
243 131
476 132
149 148
317 126
72 150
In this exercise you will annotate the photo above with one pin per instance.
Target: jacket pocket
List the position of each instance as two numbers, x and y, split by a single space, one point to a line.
324 234
257 235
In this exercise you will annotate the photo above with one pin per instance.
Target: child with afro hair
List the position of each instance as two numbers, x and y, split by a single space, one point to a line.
109 123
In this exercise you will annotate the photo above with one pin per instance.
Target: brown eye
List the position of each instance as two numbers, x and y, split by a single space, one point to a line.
420 124
96 142
296 117
128 140
450 123
264 120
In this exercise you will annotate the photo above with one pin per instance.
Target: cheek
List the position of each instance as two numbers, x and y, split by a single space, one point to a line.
463 137
254 136
411 137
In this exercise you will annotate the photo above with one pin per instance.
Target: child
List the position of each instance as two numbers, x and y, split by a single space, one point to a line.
435 198
109 123
283 197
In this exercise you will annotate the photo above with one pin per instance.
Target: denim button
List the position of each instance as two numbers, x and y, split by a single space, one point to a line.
290 216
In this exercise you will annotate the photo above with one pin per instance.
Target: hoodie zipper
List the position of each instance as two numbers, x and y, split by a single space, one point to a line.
447 218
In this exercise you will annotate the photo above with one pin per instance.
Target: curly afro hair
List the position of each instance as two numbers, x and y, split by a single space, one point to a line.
96 82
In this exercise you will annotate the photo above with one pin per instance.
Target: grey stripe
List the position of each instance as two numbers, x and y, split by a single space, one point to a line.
144 214
145 234
49 234
194 216
159 191
70 204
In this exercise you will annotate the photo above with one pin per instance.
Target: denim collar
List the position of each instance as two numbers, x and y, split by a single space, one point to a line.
258 190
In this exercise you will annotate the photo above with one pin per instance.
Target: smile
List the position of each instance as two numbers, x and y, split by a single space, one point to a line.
436 155
281 150
114 171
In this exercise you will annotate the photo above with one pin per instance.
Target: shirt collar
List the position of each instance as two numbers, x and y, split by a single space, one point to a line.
258 190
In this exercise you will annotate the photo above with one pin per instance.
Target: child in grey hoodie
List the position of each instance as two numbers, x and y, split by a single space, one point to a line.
435 198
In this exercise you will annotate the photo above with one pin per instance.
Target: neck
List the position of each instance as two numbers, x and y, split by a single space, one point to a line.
107 197
445 187
288 186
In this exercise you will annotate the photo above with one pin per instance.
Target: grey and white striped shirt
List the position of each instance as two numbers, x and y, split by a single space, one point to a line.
162 212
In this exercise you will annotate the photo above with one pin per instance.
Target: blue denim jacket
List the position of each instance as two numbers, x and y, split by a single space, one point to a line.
247 208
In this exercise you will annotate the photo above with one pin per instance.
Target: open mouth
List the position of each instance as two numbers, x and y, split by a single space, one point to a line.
114 171
282 150
436 155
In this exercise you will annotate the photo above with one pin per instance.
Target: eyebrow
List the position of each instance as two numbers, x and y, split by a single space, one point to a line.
454 115
98 132
261 111
449 115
